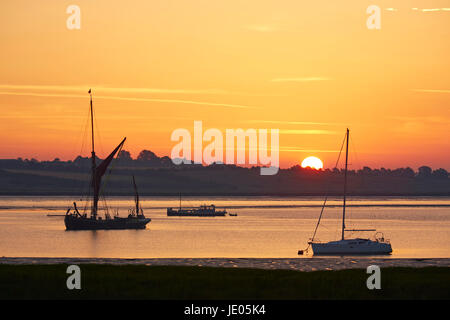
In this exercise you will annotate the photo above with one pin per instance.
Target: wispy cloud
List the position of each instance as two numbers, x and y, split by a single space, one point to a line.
424 124
432 90
51 95
294 122
307 131
431 9
295 149
304 79
83 88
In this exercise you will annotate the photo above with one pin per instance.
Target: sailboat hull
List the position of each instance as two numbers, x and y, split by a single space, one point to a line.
351 246
81 223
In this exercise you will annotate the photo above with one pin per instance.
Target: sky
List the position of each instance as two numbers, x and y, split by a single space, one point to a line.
308 68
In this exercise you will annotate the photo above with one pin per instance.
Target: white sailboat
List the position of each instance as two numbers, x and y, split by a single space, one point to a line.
344 246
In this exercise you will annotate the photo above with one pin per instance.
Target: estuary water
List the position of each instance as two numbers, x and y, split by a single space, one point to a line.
265 227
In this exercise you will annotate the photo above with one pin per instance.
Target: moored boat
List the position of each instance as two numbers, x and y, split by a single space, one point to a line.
74 220
344 246
201 211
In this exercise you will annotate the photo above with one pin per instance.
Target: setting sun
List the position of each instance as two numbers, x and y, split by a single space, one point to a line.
312 162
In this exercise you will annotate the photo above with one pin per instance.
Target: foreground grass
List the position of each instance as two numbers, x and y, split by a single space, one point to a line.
175 282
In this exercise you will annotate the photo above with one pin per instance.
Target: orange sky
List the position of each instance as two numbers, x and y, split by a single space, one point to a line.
308 69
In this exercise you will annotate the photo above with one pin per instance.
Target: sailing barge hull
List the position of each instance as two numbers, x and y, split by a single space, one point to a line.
81 223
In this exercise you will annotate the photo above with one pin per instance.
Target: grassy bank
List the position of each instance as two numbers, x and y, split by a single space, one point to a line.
174 282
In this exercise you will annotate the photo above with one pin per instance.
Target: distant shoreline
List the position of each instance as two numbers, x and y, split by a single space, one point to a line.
227 194
50 179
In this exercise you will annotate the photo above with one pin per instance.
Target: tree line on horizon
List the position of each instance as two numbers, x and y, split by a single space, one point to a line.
147 158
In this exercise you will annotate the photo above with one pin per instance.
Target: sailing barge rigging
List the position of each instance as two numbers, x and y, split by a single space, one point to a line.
76 221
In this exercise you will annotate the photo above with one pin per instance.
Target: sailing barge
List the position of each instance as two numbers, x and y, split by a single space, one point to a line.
74 220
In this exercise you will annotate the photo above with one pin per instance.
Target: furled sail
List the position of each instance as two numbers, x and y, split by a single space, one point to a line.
99 172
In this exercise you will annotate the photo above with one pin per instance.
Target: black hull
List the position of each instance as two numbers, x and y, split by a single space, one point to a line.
81 223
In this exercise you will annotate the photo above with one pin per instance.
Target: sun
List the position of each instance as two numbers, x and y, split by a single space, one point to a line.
312 162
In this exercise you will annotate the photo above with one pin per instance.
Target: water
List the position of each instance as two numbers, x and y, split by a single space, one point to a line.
266 227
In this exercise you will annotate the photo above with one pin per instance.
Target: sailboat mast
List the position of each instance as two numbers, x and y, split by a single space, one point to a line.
92 128
136 196
94 205
345 183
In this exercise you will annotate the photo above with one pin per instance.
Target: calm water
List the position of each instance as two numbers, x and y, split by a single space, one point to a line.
265 227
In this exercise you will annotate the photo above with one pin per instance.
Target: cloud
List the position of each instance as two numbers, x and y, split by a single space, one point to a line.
214 104
84 88
307 79
432 90
435 9
294 149
307 131
294 122
416 124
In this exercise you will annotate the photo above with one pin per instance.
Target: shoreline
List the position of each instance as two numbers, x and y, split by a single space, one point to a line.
296 264
226 194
